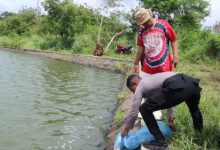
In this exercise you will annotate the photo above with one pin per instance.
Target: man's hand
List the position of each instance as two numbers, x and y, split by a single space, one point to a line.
125 131
171 124
112 134
135 69
175 60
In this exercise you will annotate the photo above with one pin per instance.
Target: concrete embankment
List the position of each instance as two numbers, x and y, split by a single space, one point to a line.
117 65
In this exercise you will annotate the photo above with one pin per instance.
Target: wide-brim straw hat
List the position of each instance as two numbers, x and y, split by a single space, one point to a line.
143 15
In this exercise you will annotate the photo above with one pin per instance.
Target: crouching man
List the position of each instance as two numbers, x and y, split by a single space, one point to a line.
162 90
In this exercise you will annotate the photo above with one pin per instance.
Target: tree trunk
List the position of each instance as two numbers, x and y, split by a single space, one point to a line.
99 32
99 50
112 39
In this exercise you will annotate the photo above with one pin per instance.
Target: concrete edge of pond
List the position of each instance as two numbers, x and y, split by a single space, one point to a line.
118 65
113 64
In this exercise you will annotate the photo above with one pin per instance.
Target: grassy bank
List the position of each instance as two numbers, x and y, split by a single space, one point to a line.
185 137
84 44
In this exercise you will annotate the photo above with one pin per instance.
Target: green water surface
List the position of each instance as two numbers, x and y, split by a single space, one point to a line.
50 104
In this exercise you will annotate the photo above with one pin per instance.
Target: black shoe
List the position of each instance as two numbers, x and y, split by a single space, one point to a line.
156 145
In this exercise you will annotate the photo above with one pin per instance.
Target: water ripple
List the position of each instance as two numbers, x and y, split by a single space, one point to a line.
58 104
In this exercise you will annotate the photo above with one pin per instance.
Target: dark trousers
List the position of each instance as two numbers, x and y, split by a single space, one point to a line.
175 90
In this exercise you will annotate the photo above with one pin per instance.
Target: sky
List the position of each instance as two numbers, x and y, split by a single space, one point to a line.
215 13
16 5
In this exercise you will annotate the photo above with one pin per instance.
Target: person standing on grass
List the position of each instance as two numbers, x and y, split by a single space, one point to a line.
162 91
154 38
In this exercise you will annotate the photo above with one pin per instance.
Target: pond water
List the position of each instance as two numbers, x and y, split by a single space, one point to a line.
50 104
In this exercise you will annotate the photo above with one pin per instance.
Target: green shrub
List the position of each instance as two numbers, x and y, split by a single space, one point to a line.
51 43
213 48
187 38
193 46
83 44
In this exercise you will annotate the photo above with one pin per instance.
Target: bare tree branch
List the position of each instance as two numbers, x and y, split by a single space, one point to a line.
112 39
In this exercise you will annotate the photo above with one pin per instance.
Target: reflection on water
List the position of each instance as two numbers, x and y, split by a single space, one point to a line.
49 104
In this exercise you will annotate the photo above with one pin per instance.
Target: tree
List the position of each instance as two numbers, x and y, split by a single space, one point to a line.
19 23
186 13
29 15
66 19
4 16
112 24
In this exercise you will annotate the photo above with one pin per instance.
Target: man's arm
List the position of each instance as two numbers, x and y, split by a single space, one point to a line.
175 52
139 54
133 112
172 37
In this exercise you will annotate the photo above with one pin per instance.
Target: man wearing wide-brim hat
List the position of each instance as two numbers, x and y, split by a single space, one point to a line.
154 38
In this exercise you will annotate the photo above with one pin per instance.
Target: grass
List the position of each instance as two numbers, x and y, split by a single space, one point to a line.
185 137
119 117
16 41
121 96
123 67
